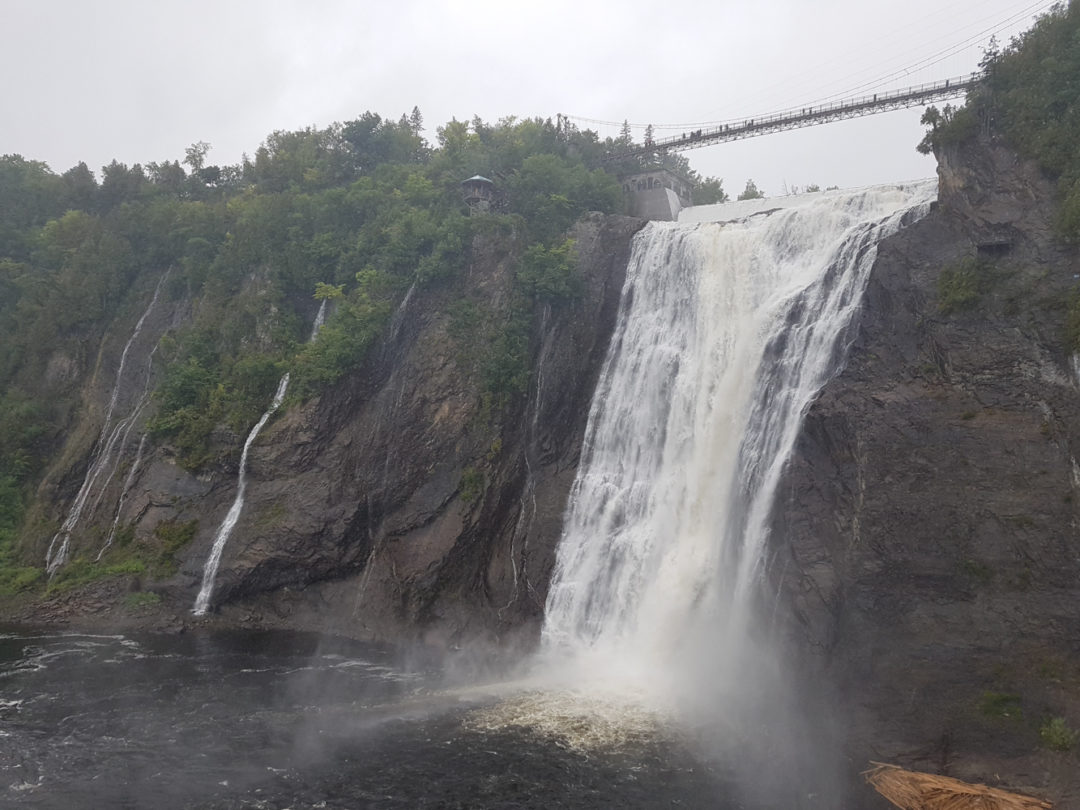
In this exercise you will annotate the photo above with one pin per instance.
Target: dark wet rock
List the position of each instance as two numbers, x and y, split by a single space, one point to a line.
927 551
355 520
928 523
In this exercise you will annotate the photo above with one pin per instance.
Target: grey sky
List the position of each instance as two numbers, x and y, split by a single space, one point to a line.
140 81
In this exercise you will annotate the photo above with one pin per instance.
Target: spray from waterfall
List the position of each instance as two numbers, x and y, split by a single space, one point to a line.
727 331
112 439
202 601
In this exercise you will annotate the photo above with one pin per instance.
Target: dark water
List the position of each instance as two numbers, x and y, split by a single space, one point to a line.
283 720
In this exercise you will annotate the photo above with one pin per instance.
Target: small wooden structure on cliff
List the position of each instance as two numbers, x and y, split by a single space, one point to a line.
479 193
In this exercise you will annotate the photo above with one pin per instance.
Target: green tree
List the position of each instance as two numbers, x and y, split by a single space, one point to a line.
331 292
416 121
120 184
195 156
167 176
79 188
30 195
550 273
751 192
1030 98
710 190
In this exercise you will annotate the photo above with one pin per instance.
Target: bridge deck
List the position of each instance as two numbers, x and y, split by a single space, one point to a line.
809 116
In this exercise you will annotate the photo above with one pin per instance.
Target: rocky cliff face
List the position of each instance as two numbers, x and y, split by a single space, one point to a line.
398 505
928 525
927 540
401 504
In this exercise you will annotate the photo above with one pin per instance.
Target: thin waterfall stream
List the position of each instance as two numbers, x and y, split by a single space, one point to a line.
111 440
202 601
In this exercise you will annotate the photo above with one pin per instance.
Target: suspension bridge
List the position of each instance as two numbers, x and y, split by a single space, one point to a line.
806 117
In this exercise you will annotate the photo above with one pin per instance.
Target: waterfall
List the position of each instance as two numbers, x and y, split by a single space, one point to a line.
320 319
128 481
202 601
112 438
726 333
129 423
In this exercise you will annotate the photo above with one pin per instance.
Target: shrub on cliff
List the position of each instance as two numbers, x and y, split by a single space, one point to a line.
365 207
960 284
1030 97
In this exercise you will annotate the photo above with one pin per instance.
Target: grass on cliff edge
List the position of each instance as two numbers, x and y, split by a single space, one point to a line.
128 557
14 578
1056 734
960 284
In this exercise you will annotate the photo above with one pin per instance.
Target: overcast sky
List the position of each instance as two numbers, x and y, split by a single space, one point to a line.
139 81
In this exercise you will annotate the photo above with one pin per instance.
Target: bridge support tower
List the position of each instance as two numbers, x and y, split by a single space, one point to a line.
657 194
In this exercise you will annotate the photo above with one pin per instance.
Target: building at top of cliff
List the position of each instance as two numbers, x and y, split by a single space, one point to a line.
479 193
656 194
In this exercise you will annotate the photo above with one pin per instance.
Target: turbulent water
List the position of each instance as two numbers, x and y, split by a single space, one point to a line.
727 331
235 721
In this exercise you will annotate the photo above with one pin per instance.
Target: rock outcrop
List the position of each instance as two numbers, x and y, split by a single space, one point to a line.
401 504
927 542
928 524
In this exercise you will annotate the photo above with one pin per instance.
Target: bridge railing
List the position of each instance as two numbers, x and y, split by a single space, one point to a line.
808 116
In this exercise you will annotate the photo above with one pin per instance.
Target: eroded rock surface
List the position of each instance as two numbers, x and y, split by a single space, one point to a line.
402 504
928 523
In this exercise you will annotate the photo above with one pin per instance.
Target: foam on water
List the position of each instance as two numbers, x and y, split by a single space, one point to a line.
580 721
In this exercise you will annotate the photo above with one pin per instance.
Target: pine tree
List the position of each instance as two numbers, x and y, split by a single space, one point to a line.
751 192
416 121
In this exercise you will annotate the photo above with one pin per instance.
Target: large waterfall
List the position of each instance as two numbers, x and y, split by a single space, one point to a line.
727 331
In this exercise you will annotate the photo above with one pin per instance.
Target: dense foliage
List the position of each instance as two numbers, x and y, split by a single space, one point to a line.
357 214
1031 97
706 190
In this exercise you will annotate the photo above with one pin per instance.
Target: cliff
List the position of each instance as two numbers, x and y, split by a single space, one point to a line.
401 504
405 507
928 523
926 534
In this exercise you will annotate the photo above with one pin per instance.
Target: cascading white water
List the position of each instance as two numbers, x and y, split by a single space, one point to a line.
726 333
202 601
128 481
320 319
128 423
111 440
